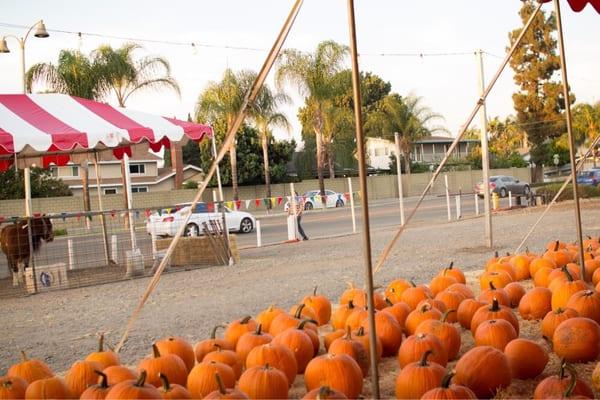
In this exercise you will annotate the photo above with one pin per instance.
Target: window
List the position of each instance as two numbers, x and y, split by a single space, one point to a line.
137 169
139 189
387 151
74 170
110 191
379 151
54 171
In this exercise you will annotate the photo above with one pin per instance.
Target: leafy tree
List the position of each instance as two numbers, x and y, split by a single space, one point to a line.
539 101
506 137
586 124
43 184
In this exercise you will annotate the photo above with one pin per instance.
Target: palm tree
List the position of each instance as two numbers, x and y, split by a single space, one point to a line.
312 74
265 115
586 124
223 101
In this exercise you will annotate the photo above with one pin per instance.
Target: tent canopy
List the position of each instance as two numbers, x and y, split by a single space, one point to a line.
578 5
55 127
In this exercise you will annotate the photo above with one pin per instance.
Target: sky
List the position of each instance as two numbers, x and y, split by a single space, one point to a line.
237 34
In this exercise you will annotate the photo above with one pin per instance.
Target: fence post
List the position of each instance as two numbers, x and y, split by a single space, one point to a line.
352 205
292 226
71 254
458 211
114 248
214 196
447 197
509 199
258 234
476 204
153 240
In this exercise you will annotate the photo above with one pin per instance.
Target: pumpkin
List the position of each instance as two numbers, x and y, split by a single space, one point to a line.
558 273
81 375
105 358
227 357
238 327
502 266
361 300
399 311
596 278
48 388
558 254
553 318
577 339
250 340
446 391
201 380
555 245
556 385
354 348
535 304
538 263
466 310
298 341
207 345
362 336
169 364
312 334
321 306
388 330
180 347
456 273
264 382
495 311
277 356
441 282
95 392
444 331
595 378
134 390
492 260
341 314
393 291
486 296
484 370
324 393
328 338
284 321
526 358
338 371
306 312
350 293
463 289
495 333
417 378
173 392
224 393
415 294
591 266
563 293
515 293
415 346
542 277
419 315
520 263
437 304
30 370
452 301
586 303
118 373
498 278
12 387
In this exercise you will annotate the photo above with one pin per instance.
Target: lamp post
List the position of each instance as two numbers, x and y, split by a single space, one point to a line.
40 32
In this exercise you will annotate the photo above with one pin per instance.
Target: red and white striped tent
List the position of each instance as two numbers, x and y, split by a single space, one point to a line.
45 129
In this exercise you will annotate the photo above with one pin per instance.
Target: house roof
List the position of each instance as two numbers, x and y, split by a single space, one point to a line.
442 139
138 180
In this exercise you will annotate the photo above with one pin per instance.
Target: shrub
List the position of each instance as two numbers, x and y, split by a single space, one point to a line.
550 190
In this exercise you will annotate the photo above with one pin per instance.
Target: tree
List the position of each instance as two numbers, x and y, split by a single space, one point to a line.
43 184
312 75
222 101
586 124
265 114
539 101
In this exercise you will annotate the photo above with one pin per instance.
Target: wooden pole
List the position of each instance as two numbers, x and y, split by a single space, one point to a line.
101 209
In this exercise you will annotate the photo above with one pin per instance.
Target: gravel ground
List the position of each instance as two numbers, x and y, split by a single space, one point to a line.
60 327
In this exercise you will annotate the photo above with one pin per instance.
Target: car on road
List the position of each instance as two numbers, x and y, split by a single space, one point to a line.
590 177
169 220
502 184
333 199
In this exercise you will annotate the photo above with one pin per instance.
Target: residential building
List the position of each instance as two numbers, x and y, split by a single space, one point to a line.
432 149
378 152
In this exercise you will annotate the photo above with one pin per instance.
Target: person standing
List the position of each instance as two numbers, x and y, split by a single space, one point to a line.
299 210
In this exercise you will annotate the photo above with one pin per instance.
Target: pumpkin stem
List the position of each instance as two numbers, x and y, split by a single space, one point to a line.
492 287
315 291
165 382
155 350
101 343
298 312
258 329
445 315
351 304
572 382
495 305
425 307
412 283
141 379
556 245
245 320
104 379
23 356
350 285
304 322
213 333
451 265
496 254
348 334
217 346
324 393
222 388
388 302
446 380
561 371
423 362
566 271
360 331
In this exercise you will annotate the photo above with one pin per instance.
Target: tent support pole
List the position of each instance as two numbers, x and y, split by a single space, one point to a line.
565 81
28 214
101 209
362 169
129 202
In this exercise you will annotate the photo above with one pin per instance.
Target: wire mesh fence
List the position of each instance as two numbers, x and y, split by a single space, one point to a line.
68 250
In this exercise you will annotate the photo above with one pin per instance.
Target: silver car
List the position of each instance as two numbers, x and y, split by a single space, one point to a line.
502 184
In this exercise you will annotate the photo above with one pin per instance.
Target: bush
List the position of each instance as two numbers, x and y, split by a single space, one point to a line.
550 190
190 185
59 232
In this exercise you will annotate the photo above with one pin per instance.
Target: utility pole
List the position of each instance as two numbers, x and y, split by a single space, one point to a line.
485 162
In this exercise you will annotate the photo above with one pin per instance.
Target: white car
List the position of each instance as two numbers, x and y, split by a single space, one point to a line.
169 221
334 199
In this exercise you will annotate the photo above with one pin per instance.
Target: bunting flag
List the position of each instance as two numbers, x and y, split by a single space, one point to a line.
78 216
279 200
229 204
267 202
148 213
247 204
210 207
160 212
238 204
2 219
137 214
63 216
257 202
347 196
169 210
317 198
112 213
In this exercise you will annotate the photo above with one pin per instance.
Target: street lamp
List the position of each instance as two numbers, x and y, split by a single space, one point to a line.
40 32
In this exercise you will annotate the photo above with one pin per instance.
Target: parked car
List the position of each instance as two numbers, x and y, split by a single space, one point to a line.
334 199
502 184
169 221
590 177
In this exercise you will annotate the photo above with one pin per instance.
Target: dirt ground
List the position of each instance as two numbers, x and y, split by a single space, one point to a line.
61 327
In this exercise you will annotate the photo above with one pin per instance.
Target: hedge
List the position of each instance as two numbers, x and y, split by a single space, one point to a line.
551 189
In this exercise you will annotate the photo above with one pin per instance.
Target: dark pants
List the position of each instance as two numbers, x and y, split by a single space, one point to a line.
300 230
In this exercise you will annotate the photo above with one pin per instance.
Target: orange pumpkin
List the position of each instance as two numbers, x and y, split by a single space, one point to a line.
542 277
305 313
264 382
12 387
515 293
321 306
362 336
451 301
324 393
503 266
415 346
341 314
466 310
169 364
536 303
415 294
81 375
558 273
225 393
495 311
277 356
105 358
30 370
250 340
118 373
445 331
284 321
538 263
338 371
419 315
591 266
526 358
134 390
361 300
48 388
484 370
417 378
486 296
553 318
328 338
563 293
350 293
393 292
227 357
554 387
456 273
498 278
354 348
207 345
298 341
400 311
180 347
446 391
172 392
577 340
596 278
238 327
441 282
265 317
495 333
201 380
463 289
96 392
520 263
356 317
437 304
586 303
388 330
558 254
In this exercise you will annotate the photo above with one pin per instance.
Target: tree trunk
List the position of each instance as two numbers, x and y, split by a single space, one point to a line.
233 159
266 165
330 161
85 188
319 140
124 181
406 158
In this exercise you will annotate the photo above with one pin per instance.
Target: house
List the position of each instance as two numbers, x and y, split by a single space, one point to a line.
432 149
378 151
146 176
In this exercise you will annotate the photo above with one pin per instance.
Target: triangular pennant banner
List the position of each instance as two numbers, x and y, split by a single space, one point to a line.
279 200
148 213
267 202
210 207
63 216
137 214
257 202
238 204
324 198
247 204
112 213
347 196
78 216
229 204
